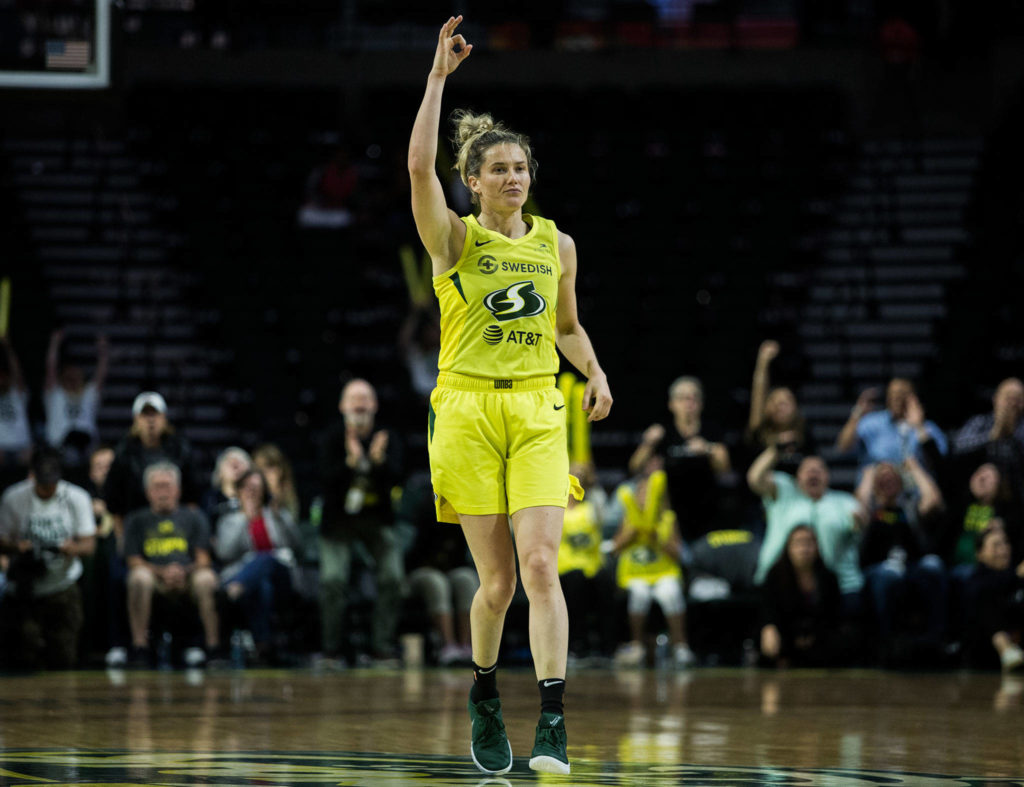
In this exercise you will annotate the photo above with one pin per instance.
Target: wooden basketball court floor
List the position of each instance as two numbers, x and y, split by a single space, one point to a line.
379 727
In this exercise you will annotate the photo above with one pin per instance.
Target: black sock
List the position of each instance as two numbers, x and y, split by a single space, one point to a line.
485 683
552 691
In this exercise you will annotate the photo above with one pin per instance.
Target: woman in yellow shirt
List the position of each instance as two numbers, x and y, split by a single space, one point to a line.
648 569
505 281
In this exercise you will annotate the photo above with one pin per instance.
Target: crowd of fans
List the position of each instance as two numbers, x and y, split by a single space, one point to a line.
123 554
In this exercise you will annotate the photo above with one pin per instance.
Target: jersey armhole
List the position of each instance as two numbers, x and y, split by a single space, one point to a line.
556 239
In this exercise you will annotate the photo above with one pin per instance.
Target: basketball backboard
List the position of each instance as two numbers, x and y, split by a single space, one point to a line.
55 43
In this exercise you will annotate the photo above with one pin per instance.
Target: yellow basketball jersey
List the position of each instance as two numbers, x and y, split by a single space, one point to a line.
499 301
643 559
580 548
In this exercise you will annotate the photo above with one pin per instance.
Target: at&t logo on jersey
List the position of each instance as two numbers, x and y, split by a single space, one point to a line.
494 335
515 301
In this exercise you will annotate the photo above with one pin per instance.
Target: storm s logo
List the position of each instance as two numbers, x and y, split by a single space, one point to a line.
515 301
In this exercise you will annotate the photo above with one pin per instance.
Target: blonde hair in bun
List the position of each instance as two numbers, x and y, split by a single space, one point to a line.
474 135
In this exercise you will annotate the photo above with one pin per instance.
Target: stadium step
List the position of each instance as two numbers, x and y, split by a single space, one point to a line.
106 247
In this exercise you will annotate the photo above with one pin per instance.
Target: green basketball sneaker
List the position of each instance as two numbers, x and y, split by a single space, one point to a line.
490 747
549 755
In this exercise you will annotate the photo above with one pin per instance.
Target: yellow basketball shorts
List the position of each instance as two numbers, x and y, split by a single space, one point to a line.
497 446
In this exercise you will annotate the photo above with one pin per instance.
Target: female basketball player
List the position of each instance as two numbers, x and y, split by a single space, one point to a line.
505 281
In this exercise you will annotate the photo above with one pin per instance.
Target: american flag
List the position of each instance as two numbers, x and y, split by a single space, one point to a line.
68 54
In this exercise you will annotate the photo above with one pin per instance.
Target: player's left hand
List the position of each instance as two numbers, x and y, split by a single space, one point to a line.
597 398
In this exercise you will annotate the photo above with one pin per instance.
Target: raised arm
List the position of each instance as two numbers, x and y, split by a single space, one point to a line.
930 495
52 353
102 361
573 341
865 489
440 229
17 379
766 353
759 476
847 439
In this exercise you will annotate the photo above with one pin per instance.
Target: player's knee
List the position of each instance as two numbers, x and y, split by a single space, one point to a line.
539 569
497 591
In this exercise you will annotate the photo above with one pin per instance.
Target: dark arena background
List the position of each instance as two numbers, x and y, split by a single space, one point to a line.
209 201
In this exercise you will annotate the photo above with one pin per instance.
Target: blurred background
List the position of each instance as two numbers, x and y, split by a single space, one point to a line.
232 209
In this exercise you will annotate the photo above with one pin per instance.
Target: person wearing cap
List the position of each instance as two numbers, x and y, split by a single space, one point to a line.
151 439
46 526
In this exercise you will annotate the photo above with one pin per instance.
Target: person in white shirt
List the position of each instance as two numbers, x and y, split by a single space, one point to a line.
47 525
70 402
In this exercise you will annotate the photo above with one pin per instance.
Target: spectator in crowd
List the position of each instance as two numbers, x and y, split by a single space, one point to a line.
105 617
995 597
419 344
71 403
801 607
997 437
222 496
440 571
901 574
988 498
110 605
167 550
892 434
775 418
694 459
889 499
15 433
329 191
361 465
151 439
280 476
588 581
48 525
258 548
100 461
721 563
647 545
836 517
